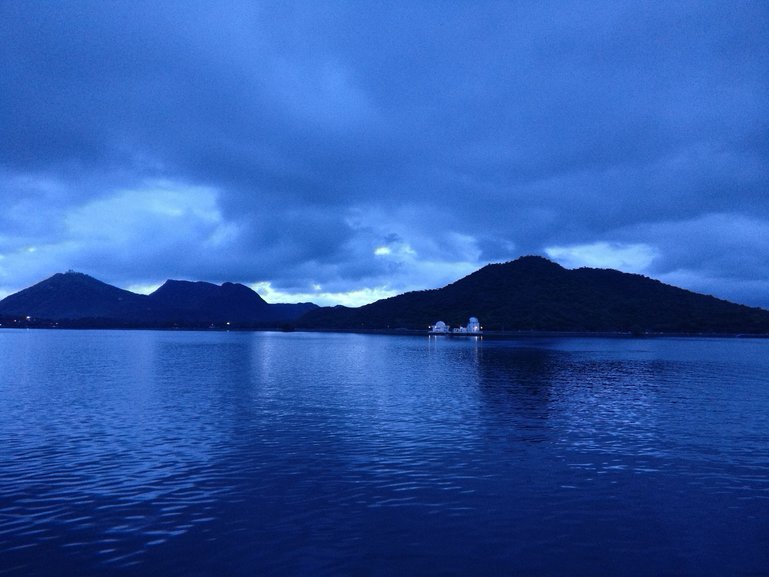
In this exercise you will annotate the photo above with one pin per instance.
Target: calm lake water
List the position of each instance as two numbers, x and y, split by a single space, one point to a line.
197 453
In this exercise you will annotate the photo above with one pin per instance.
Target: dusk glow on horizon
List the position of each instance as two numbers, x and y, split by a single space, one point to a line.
343 152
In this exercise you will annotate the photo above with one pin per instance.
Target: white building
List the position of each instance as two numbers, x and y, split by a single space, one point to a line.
439 327
473 327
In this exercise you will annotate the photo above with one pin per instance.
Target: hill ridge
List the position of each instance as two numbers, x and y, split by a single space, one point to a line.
530 293
533 293
77 298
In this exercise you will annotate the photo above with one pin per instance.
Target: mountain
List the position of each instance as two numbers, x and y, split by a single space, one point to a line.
230 302
535 294
77 299
207 301
528 294
73 295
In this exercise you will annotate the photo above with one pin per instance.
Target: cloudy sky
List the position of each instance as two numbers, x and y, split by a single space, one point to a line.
343 151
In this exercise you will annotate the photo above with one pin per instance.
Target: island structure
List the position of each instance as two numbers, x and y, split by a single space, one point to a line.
473 328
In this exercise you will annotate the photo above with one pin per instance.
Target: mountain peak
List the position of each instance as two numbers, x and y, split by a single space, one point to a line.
72 295
186 289
209 301
72 275
535 262
525 265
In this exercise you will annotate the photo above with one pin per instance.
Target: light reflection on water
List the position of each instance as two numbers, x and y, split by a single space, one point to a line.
291 454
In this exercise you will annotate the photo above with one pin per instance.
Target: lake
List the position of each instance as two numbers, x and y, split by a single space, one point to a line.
257 453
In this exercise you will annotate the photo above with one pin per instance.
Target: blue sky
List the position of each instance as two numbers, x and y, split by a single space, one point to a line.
343 151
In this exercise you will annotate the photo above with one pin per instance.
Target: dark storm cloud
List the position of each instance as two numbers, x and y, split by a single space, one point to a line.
343 146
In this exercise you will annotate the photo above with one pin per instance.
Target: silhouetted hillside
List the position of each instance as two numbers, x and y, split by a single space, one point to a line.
529 294
206 301
534 294
76 299
73 295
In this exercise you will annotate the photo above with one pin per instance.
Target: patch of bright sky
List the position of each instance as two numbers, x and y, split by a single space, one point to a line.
126 214
398 250
741 291
119 222
354 298
143 289
437 273
620 256
4 292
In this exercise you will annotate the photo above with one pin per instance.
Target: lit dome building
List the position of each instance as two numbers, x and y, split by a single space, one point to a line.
439 327
473 325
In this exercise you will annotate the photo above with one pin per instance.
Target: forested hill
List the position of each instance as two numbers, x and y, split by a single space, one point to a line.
535 294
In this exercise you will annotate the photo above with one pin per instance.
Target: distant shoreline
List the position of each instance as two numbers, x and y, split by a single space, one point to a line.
522 334
491 335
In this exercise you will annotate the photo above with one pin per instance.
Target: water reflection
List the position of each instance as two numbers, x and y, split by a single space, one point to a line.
245 453
586 400
516 384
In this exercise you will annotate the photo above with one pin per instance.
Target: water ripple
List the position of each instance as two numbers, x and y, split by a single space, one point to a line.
194 453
